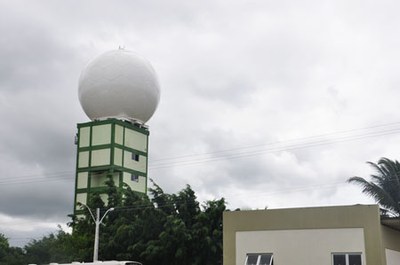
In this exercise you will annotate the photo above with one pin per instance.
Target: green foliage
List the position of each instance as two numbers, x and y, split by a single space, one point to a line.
384 186
57 247
169 229
166 229
4 246
10 255
157 229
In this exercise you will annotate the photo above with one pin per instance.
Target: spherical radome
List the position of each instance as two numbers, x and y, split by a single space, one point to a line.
119 84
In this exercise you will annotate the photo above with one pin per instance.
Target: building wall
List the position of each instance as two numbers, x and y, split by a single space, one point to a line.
391 245
316 248
138 185
392 257
110 148
361 217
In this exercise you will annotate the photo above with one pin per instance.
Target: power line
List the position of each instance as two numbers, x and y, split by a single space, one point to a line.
281 142
277 148
38 179
40 175
233 153
255 195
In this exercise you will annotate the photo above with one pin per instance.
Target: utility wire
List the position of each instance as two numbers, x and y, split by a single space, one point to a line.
41 180
228 154
297 140
281 142
274 149
56 176
256 195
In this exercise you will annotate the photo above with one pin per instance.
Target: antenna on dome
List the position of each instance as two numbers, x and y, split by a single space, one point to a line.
121 47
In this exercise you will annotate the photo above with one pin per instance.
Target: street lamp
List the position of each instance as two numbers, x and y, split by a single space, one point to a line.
97 221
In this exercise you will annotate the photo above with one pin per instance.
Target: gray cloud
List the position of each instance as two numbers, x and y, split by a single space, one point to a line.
237 78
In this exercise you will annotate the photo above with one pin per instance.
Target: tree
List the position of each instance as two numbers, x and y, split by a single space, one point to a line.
57 247
162 228
384 186
208 233
4 246
10 255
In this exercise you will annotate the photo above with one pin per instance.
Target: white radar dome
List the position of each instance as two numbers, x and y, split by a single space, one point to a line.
119 84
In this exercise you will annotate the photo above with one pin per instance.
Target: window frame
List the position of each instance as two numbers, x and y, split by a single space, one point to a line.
259 255
347 255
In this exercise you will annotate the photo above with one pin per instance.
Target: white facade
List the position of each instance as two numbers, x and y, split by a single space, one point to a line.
337 235
316 248
392 257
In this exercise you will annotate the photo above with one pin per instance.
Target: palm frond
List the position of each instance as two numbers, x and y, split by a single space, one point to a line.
384 186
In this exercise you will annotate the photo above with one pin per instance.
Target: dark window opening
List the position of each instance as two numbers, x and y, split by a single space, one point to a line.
259 259
135 157
134 177
252 259
339 260
354 259
347 259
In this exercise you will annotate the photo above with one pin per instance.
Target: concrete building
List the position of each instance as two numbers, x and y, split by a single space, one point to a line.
110 148
339 235
119 92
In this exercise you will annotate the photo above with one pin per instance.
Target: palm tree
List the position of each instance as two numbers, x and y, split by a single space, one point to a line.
384 187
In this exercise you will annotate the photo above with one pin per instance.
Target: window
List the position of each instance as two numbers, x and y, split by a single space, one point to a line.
134 177
259 259
135 157
346 259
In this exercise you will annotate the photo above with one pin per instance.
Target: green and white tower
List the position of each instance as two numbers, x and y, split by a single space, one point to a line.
119 92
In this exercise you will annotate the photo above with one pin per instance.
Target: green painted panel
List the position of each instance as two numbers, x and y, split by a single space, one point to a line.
105 146
118 157
100 157
98 179
83 160
82 182
136 185
116 179
84 136
101 134
119 134
135 140
138 164
80 198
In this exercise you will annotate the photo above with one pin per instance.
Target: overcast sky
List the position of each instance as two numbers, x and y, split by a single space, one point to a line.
265 103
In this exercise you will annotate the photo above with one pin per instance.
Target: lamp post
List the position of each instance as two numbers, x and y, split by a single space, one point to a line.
97 221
